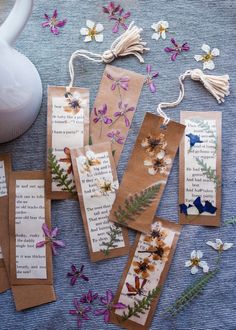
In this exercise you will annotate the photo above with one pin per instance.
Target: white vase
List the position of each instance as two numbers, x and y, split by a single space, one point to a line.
20 84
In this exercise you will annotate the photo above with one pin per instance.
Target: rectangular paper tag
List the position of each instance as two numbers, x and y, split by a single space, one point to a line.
30 267
114 107
146 174
67 127
97 183
200 169
146 270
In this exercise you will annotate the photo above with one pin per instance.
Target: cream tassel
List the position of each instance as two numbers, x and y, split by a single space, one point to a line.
218 86
128 43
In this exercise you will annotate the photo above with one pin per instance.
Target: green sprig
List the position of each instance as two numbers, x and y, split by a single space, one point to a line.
231 221
141 306
206 127
115 230
59 174
208 172
136 204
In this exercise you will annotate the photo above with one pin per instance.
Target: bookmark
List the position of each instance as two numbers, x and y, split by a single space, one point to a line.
97 183
30 267
5 169
67 127
114 107
200 169
147 172
145 275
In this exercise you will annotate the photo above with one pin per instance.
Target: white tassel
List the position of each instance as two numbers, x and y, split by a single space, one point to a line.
128 43
218 86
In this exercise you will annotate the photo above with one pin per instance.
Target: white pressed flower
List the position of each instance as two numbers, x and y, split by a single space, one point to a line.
92 31
219 245
86 162
207 58
195 262
105 187
160 29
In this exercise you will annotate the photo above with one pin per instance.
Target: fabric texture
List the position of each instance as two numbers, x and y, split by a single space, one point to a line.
196 22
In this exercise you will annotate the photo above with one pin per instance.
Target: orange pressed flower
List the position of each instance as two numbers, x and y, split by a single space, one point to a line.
143 267
156 234
154 144
158 252
67 160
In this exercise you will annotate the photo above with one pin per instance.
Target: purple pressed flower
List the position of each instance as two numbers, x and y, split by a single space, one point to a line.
80 312
120 20
50 237
108 305
121 82
53 23
177 49
75 274
100 116
89 297
124 109
111 9
150 77
116 137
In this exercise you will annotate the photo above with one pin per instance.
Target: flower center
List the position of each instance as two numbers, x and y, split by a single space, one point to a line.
92 32
74 104
195 262
161 29
159 251
143 267
153 143
207 57
155 234
121 20
53 22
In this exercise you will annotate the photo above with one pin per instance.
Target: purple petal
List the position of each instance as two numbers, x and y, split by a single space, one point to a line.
130 109
45 24
81 268
113 86
72 312
149 68
70 274
173 56
87 309
103 300
152 87
117 114
155 74
46 230
61 23
100 312
54 232
73 268
47 17
95 120
58 243
174 42
124 79
124 85
125 27
127 123
169 50
76 303
85 317
185 47
55 30
105 10
106 316
104 109
127 15
119 306
54 14
109 76
73 280
107 120
95 112
116 27
40 244
109 295
110 135
54 250
84 277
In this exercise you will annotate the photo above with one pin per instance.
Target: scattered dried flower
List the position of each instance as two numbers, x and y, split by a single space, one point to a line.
54 23
196 262
143 267
123 113
92 31
75 274
207 58
80 312
160 29
89 297
150 77
100 116
219 245
111 9
121 82
88 161
120 20
177 49
116 137
51 238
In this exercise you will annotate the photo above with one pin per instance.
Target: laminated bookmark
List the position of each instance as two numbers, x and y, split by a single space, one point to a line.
30 267
5 169
67 127
114 107
97 183
200 169
147 172
145 274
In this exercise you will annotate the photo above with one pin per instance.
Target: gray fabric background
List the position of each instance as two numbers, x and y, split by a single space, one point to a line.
212 21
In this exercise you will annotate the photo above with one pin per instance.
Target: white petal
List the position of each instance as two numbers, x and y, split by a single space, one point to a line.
154 26
87 39
90 24
198 58
99 27
193 254
90 154
163 35
147 162
206 48
165 24
212 244
199 254
168 161
156 36
219 241
208 65
215 52
99 37
151 171
204 266
188 263
84 31
227 246
161 154
194 270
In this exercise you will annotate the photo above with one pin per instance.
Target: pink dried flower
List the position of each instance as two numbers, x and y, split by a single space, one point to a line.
177 49
54 23
120 20
75 274
150 77
121 82
80 312
111 9
50 237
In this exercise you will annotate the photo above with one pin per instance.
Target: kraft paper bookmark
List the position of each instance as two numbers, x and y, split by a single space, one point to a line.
200 169
145 274
147 172
5 169
114 107
30 267
67 127
97 183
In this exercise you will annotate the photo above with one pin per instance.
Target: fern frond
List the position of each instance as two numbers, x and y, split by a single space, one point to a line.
206 127
115 230
136 204
208 172
141 306
231 221
59 175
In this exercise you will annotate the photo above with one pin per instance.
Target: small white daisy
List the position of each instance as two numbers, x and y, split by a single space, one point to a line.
160 29
195 262
92 31
207 58
219 245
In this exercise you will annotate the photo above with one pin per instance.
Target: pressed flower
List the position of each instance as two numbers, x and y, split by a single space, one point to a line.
160 29
81 312
111 9
159 164
137 289
51 238
54 23
143 268
108 305
76 273
124 109
156 234
74 103
159 251
89 297
207 58
100 116
154 144
177 49
193 139
122 82
150 77
120 20
92 31
105 187
208 207
67 160
195 262
116 137
88 161
219 245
